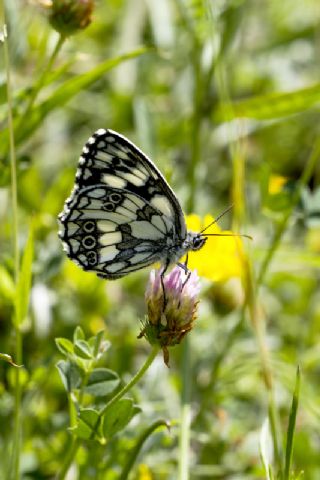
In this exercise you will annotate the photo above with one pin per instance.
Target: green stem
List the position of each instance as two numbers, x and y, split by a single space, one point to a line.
184 441
133 381
15 456
69 458
195 133
39 84
131 458
304 179
76 442
291 426
258 324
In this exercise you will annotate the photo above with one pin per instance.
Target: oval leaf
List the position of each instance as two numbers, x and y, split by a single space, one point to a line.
102 381
64 345
82 349
117 416
88 426
70 374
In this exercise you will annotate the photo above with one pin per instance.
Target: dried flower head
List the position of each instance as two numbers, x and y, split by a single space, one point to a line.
171 315
69 16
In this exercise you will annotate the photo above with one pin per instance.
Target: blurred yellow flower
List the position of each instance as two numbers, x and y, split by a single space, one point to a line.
276 182
220 258
144 472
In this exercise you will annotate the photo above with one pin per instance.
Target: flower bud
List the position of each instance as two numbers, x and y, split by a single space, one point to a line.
69 16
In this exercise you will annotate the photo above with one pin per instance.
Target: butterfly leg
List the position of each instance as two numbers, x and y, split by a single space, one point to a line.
186 270
165 268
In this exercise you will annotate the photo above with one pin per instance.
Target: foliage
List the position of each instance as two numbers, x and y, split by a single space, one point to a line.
224 97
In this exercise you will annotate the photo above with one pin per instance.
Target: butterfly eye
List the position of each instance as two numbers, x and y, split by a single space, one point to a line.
198 242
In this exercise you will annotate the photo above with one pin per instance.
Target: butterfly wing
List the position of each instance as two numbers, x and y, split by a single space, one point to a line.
122 215
113 231
111 159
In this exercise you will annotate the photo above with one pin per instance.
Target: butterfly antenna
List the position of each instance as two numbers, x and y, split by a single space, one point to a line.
217 219
227 235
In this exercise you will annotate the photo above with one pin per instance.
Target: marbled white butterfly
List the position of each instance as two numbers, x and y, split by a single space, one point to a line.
122 215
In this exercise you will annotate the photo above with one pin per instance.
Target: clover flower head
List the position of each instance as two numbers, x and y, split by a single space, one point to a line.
69 16
170 315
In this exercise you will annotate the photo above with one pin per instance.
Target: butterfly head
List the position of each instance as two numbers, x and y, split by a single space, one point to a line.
195 241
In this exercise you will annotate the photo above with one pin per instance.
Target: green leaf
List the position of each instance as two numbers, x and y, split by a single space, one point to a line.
117 416
7 289
70 374
272 105
292 425
24 282
82 349
97 344
78 334
102 381
88 426
61 95
65 346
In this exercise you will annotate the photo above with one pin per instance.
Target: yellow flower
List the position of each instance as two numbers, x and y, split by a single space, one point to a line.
144 472
276 182
221 257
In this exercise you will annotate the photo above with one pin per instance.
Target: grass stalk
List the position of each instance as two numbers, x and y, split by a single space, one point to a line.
258 323
292 425
16 444
303 181
184 440
41 80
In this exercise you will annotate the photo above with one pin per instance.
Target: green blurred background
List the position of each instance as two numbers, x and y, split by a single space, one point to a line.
223 96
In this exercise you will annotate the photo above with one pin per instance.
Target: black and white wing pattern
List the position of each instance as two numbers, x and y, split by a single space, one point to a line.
122 215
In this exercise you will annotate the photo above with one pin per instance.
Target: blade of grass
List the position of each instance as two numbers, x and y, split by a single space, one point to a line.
271 106
131 458
16 444
64 93
41 80
24 282
292 425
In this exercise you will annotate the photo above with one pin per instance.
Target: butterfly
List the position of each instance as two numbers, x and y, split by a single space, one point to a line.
122 215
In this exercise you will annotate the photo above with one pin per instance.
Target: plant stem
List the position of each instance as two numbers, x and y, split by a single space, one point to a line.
39 84
304 179
258 324
15 456
133 381
136 449
291 426
195 130
76 442
184 441
69 458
